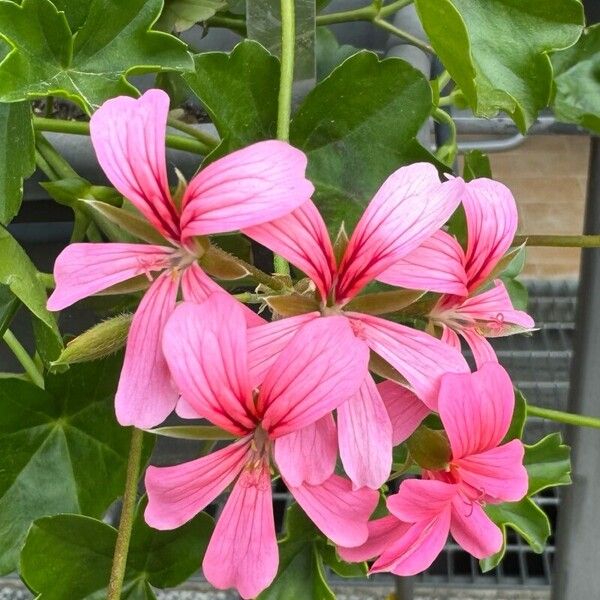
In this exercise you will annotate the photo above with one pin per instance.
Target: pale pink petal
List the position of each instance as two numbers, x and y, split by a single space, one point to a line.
302 238
416 549
128 135
82 270
340 512
421 499
365 437
437 265
450 337
496 475
494 312
309 454
382 534
418 356
265 343
311 377
146 394
404 408
476 409
206 349
408 208
254 185
177 494
185 410
481 348
473 530
242 552
197 286
492 217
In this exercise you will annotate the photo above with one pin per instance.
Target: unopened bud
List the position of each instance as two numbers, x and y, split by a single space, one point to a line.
340 244
222 265
291 304
381 303
429 448
101 340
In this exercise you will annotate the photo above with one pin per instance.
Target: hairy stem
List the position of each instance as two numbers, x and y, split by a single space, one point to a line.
404 35
176 142
58 164
23 357
563 417
117 573
194 132
558 241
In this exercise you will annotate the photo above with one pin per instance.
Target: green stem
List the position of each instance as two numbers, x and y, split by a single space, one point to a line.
366 13
194 132
558 241
233 22
59 165
49 108
447 152
563 417
408 37
44 166
47 279
176 142
23 357
117 573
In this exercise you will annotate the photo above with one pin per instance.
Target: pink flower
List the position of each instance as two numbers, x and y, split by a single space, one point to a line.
261 182
476 410
207 351
408 208
491 215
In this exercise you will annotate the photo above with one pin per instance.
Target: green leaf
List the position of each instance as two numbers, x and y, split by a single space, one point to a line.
477 164
577 81
18 273
517 424
17 156
70 556
358 126
239 91
330 53
526 518
548 463
9 304
180 15
497 50
337 565
63 450
300 573
88 68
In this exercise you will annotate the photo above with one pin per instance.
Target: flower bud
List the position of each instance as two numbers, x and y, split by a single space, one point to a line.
429 448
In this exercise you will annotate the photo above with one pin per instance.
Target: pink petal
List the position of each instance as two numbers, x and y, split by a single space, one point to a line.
404 408
407 209
492 217
437 265
365 437
340 512
481 348
265 343
418 356
473 530
416 550
493 310
82 270
177 494
496 475
254 185
206 349
450 337
128 135
146 395
476 409
309 454
302 238
197 286
421 499
311 377
242 552
382 534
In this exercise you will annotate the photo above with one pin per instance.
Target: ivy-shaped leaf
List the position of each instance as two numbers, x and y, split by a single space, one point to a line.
17 156
19 274
62 450
300 573
517 423
497 50
114 41
548 463
239 91
577 81
70 556
358 126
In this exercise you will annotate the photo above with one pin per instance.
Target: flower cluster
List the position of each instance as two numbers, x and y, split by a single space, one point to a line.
299 392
